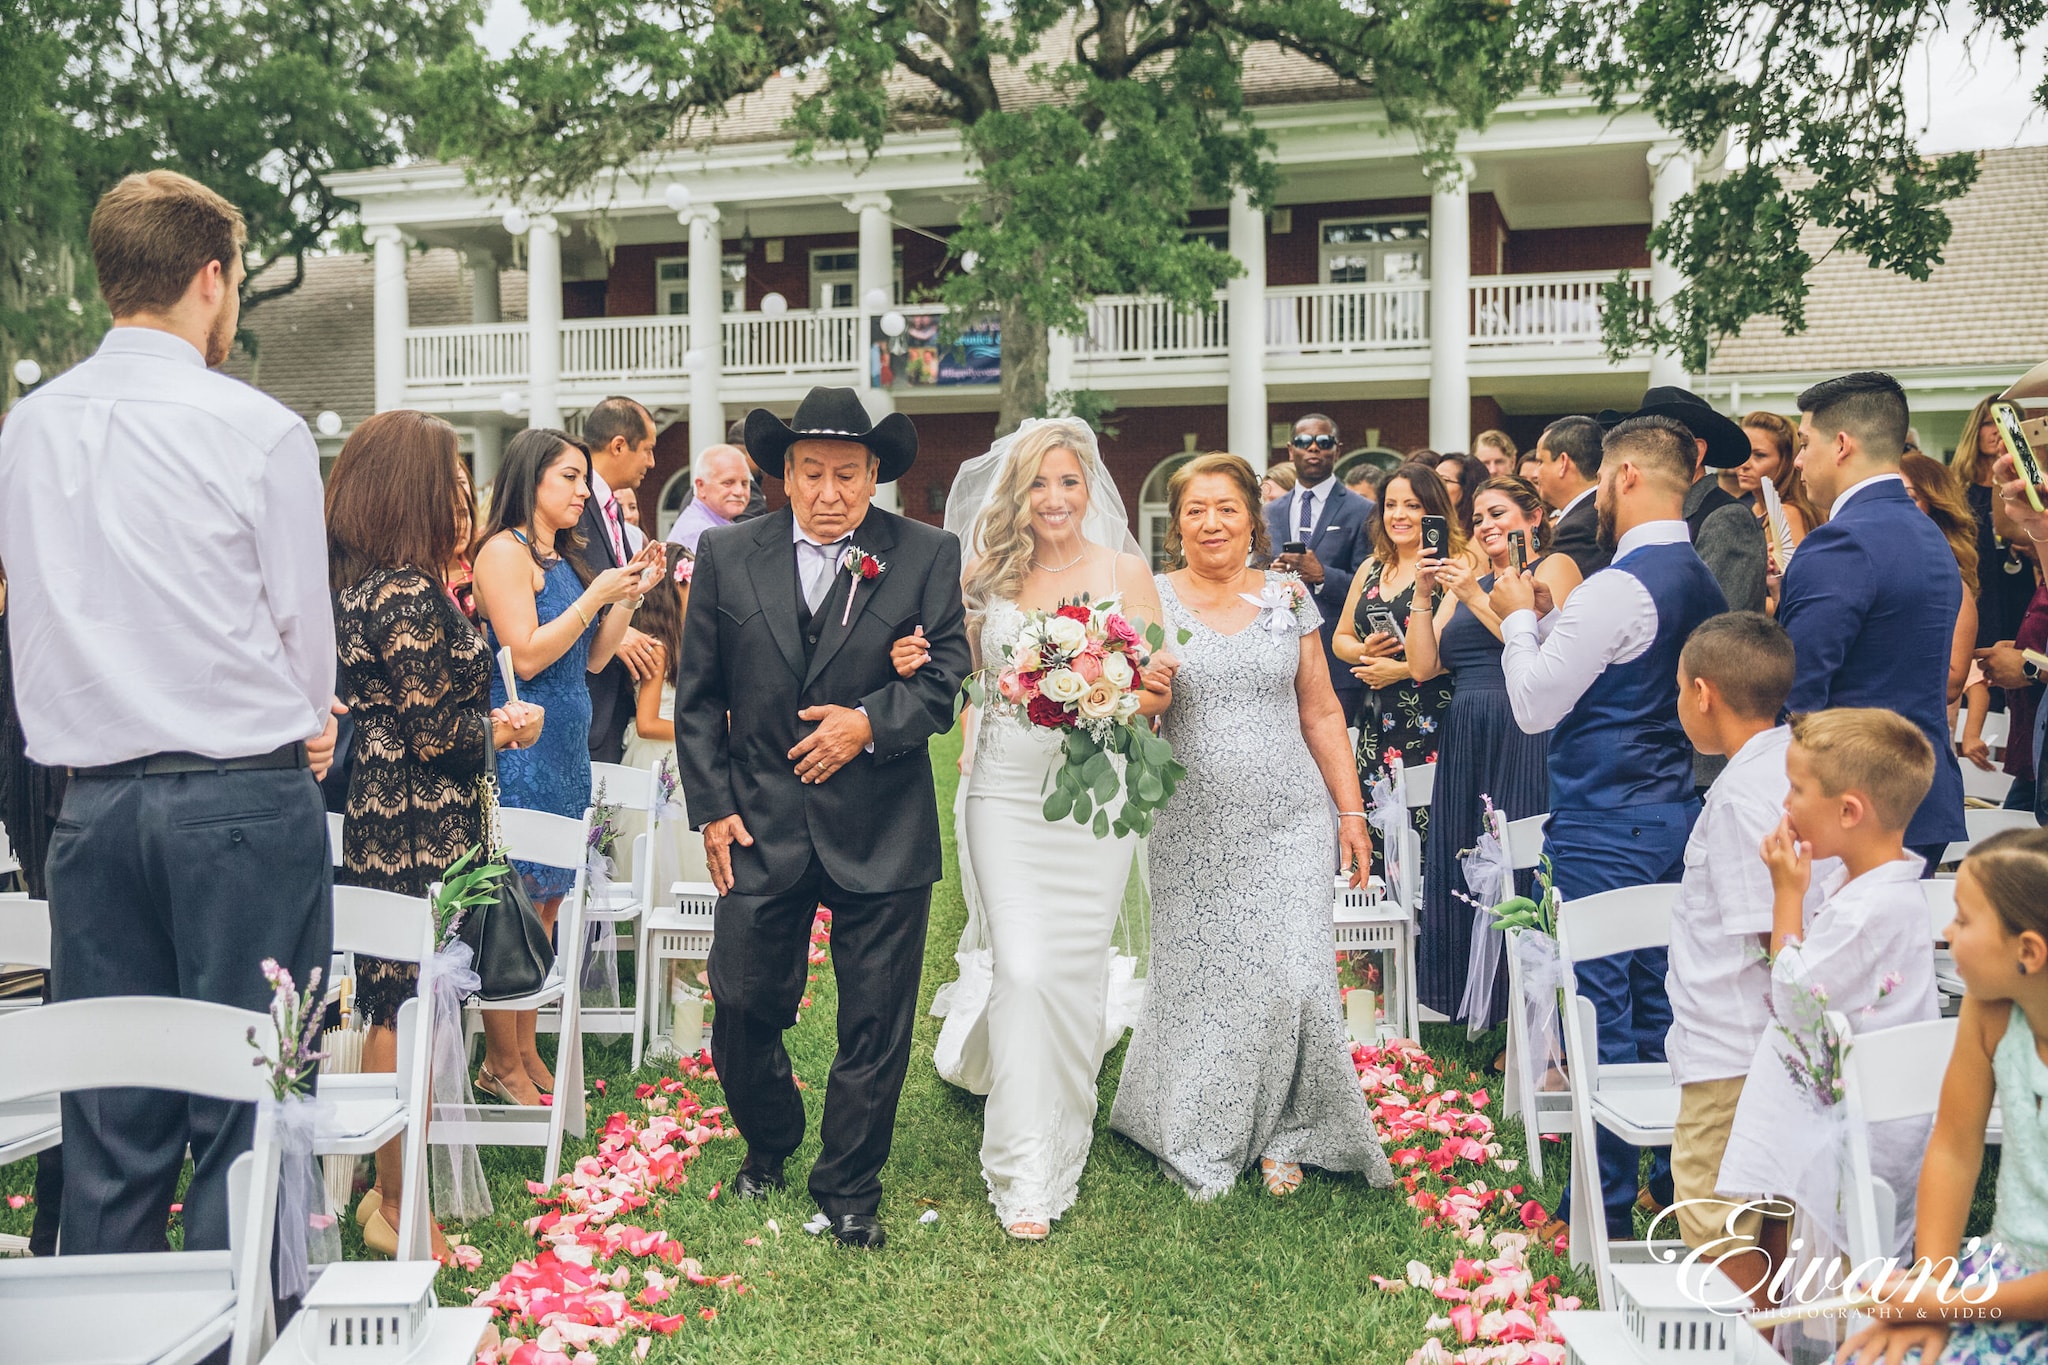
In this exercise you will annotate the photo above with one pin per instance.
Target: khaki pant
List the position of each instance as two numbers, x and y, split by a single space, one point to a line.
1706 1113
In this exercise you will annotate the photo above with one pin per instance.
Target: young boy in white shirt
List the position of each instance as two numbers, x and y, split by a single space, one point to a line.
1855 777
1733 677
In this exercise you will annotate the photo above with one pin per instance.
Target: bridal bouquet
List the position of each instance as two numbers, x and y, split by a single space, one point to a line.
1076 670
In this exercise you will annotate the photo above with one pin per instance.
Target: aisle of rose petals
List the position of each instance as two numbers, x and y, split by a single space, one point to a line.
578 1294
1498 1311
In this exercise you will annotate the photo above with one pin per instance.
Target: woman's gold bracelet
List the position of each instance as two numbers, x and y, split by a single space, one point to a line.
577 607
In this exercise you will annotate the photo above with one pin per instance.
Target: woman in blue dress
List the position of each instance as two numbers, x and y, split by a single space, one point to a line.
1483 752
561 623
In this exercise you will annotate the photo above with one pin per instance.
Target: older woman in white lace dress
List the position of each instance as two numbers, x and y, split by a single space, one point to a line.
1239 1055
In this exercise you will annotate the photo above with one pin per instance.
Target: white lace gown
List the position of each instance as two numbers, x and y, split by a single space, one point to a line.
1030 1019
1239 1052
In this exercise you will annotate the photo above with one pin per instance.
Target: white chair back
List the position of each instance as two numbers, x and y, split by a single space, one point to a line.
1523 841
1542 1111
1992 786
626 788
534 836
1979 825
1893 1073
25 933
334 828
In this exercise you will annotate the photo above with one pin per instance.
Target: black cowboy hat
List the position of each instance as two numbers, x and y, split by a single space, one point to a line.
832 415
1727 447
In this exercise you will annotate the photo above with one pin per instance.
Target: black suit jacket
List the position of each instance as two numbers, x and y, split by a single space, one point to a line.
614 696
743 677
1578 535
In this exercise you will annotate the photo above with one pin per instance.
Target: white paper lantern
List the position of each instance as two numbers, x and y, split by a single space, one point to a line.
516 221
892 324
774 305
875 300
677 197
328 423
509 402
27 373
969 260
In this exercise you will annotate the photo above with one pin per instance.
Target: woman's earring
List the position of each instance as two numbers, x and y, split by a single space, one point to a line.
2023 969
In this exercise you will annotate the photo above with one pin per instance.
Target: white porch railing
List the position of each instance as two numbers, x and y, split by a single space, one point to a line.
1136 328
604 348
1519 310
1321 318
480 353
797 342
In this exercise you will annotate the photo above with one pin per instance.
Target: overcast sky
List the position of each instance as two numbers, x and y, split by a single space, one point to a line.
1964 95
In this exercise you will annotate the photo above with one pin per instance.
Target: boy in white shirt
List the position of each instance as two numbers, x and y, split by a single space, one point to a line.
1733 677
1856 775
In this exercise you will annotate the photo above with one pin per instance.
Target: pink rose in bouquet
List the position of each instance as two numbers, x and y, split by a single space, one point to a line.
1088 663
1119 633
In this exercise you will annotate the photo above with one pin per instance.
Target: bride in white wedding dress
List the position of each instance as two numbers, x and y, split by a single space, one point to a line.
1030 1018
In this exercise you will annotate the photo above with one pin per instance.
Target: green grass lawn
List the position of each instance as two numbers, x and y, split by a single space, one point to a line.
1134 1272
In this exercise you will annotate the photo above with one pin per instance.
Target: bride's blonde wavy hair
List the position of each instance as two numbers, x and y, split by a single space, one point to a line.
1002 534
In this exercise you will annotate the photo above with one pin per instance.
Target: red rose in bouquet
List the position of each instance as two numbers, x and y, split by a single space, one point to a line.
1075 612
1046 712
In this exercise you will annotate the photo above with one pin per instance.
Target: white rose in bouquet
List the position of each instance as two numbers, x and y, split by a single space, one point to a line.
1065 634
1101 699
1063 685
1127 706
1117 669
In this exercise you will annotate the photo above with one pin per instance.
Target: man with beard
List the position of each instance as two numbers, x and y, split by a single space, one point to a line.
1601 674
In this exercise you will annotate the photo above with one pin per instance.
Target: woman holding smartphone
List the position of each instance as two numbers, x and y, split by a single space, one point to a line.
1399 714
561 622
1485 754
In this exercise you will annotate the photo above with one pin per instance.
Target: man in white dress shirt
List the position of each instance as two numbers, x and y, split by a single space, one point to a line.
174 648
1601 674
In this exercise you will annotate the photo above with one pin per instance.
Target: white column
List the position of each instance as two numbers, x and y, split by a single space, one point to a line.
544 322
1671 171
391 316
1059 360
877 271
483 286
1245 426
484 308
489 452
707 326
1450 311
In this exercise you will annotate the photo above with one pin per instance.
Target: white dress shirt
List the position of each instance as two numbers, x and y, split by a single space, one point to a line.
816 562
167 559
1308 501
1718 978
1842 498
1609 619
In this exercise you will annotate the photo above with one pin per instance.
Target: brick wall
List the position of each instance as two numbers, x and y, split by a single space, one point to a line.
1617 246
630 290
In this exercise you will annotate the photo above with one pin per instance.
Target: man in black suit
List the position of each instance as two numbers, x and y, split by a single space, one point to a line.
803 762
1333 523
620 434
1567 475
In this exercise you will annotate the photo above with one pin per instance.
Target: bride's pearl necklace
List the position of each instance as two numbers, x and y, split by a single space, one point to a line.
1062 568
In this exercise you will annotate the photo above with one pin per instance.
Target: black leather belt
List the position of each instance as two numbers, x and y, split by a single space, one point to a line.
164 765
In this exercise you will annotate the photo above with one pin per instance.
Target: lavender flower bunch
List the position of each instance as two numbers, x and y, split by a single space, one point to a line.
1817 1052
665 779
604 826
297 1017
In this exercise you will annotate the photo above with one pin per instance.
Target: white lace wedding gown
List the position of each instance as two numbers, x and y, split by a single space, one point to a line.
1033 1013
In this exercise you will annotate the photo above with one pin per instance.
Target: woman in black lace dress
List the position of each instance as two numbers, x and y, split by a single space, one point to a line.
416 678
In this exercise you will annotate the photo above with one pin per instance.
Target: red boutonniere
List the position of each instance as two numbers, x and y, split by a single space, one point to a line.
861 567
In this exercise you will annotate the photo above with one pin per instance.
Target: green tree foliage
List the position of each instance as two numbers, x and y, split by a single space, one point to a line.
1094 124
1799 113
259 99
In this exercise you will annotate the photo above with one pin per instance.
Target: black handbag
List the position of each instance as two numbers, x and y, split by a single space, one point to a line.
509 950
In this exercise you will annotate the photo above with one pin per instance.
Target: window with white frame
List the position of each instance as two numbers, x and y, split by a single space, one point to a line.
672 285
1374 250
835 278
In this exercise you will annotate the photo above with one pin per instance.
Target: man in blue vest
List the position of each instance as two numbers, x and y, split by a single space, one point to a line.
1870 599
1601 675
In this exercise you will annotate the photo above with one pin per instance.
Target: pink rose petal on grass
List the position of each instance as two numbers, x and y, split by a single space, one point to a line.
17 1201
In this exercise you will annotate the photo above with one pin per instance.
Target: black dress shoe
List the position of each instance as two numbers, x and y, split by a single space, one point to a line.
862 1230
757 1184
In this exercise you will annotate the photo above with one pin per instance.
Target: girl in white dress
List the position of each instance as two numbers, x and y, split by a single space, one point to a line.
651 736
1028 1022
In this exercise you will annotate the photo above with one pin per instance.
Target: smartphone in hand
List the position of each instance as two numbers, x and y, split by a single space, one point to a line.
1436 534
1518 550
2007 416
1294 547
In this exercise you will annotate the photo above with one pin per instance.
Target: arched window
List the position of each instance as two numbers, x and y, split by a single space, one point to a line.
1387 460
1152 513
676 494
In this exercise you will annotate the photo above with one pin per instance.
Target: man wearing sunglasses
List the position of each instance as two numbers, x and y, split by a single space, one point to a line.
1329 522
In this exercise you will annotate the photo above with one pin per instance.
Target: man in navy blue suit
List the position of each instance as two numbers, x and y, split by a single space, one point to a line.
1330 520
1871 597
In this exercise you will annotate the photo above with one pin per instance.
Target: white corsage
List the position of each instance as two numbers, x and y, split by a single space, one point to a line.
1278 603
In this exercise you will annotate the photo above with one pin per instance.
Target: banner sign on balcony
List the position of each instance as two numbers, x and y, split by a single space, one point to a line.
915 358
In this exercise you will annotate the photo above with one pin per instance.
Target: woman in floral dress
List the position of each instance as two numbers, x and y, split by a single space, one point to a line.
1399 715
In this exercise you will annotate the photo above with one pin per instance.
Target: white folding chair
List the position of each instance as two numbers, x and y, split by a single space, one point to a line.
533 836
1982 786
1636 1101
1542 1111
335 820
366 1110
32 1125
1941 909
682 932
24 942
9 864
1997 726
163 1307
617 914
1979 825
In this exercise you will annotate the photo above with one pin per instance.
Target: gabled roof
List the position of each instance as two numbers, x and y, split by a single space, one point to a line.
1987 305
